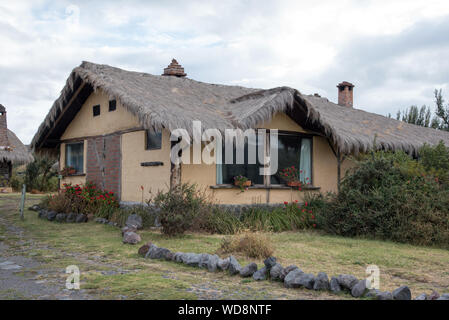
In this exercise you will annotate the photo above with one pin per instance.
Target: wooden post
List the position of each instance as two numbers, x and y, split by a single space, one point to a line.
175 176
338 170
22 202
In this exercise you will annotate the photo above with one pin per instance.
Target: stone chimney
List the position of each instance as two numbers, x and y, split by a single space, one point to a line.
174 69
3 128
345 94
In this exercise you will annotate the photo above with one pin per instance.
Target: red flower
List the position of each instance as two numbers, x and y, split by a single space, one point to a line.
296 201
285 202
314 225
313 217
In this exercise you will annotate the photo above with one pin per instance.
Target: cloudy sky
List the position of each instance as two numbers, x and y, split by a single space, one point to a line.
395 52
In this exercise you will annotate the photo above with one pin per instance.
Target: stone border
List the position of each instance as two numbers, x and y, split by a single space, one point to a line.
57 216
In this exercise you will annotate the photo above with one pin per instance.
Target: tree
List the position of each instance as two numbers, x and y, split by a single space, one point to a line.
418 116
442 111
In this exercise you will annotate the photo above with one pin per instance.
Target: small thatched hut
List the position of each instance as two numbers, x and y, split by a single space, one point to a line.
113 127
12 150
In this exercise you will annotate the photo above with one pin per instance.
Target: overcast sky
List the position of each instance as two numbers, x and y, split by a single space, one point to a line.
395 52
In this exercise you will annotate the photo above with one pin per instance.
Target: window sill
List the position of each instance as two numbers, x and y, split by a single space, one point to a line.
272 187
75 175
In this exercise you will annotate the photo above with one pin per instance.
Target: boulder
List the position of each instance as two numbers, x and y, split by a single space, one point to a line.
203 260
276 271
434 295
131 238
402 293
444 296
101 220
127 229
422 296
51 215
347 281
359 289
290 278
321 282
386 295
169 255
42 214
249 270
234 266
260 274
306 280
156 252
223 264
71 217
212 263
270 262
177 257
61 217
286 271
372 293
135 221
34 208
334 285
80 218
191 259
143 250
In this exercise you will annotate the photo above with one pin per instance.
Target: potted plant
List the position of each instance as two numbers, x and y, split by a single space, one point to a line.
242 182
291 176
67 171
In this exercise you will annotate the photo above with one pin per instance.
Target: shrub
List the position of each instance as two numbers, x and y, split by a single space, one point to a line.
252 245
59 203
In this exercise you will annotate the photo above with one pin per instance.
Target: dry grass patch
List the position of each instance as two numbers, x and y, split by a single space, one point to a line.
251 245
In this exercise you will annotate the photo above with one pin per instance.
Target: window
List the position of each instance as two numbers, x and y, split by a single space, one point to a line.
112 105
74 156
294 149
96 110
153 140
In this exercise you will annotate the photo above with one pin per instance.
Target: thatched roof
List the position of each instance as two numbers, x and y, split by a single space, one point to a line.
19 153
173 102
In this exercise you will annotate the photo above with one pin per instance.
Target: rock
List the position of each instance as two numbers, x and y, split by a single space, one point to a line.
169 255
276 271
212 263
306 280
402 293
347 281
359 289
51 215
372 293
289 280
260 274
143 250
131 238
234 266
61 217
444 296
42 214
249 270
270 262
386 295
71 217
128 229
135 221
223 264
434 295
191 259
334 285
321 282
177 257
286 271
203 260
101 220
422 296
80 218
156 252
34 208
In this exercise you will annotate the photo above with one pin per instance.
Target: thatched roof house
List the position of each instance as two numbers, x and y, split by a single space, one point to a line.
173 101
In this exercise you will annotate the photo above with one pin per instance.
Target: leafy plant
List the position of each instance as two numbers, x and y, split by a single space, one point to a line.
241 182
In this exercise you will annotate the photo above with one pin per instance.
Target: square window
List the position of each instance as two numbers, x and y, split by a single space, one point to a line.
96 110
153 140
112 105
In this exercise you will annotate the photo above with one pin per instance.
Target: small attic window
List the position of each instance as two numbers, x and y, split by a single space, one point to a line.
96 110
112 105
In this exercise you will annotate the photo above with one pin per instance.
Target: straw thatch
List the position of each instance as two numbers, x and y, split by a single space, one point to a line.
18 153
173 102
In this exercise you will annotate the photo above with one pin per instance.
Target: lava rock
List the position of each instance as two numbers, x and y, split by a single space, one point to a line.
359 289
321 282
131 238
135 221
286 271
212 263
276 271
249 270
290 279
334 285
80 218
42 214
234 266
143 250
402 293
306 280
71 217
223 264
260 274
191 259
270 262
422 296
347 281
61 217
51 215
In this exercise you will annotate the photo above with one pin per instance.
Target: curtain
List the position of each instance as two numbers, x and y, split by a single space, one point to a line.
305 161
75 156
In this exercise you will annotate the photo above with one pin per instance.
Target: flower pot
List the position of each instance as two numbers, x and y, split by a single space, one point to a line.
244 184
294 183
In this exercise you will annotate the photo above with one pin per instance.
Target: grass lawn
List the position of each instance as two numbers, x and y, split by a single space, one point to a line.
112 270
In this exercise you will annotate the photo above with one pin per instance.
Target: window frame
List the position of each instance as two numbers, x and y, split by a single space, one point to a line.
94 108
112 105
147 132
65 162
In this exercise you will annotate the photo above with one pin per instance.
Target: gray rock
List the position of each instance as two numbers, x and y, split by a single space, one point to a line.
157 252
61 217
135 221
51 215
249 270
422 296
270 262
34 208
101 220
402 293
260 274
223 264
42 214
131 238
234 266
434 295
127 229
334 285
372 293
80 218
386 295
306 280
212 263
359 289
289 280
321 282
191 259
177 257
347 281
276 271
71 217
286 271
169 255
444 296
203 260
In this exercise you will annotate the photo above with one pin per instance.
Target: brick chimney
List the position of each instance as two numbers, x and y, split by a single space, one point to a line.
174 69
345 94
3 128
